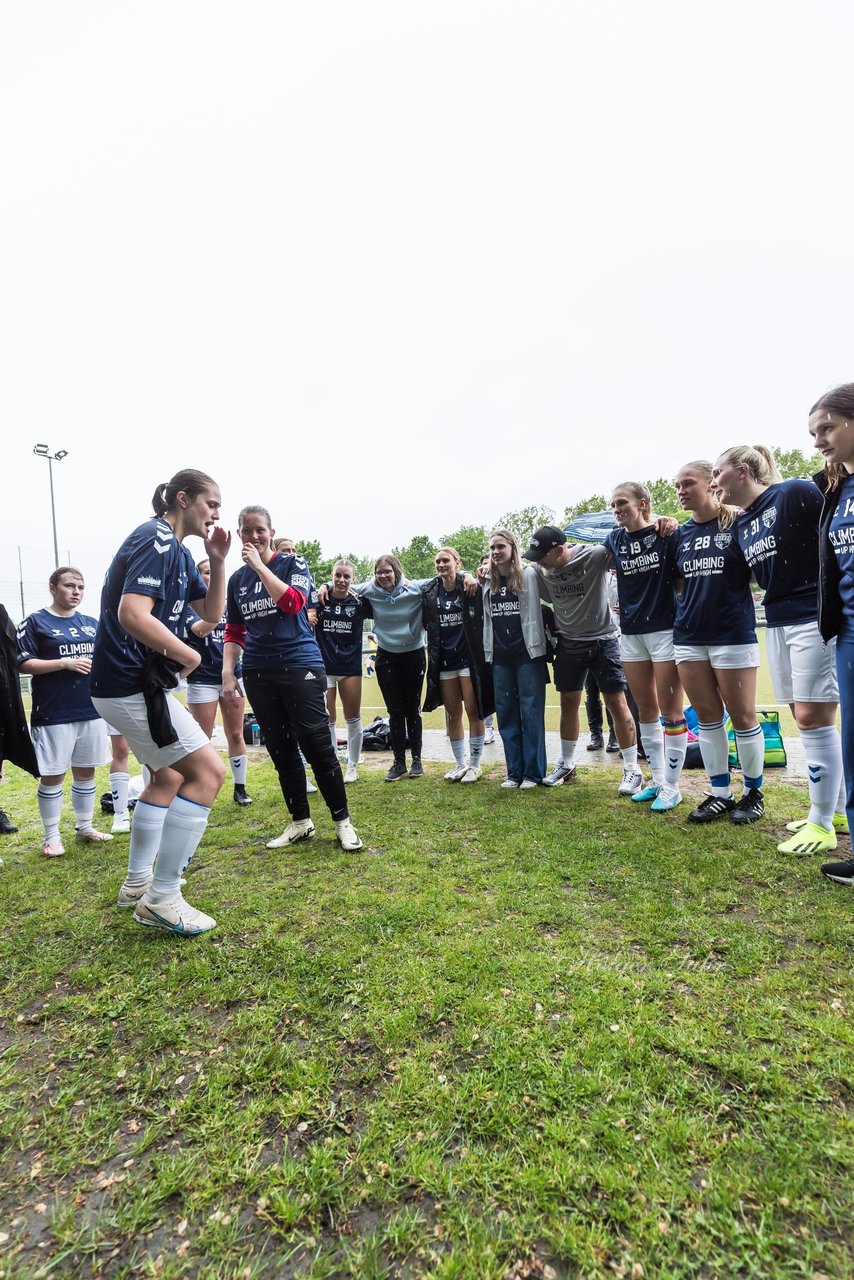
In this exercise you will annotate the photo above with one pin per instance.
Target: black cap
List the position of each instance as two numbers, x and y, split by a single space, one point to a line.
543 541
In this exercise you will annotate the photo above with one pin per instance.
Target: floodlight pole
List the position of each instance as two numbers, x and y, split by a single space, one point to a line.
42 451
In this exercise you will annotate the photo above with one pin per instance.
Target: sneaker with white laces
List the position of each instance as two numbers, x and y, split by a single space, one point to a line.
346 835
92 836
131 894
527 784
294 832
510 784
350 774
647 793
121 824
667 798
840 824
632 782
811 838
456 774
172 915
560 774
53 848
471 774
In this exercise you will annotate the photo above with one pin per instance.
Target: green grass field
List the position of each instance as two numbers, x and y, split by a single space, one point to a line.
520 1035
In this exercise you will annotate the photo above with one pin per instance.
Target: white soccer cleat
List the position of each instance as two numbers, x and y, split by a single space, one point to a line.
346 835
456 774
294 832
351 775
172 915
53 848
92 836
131 894
471 774
121 824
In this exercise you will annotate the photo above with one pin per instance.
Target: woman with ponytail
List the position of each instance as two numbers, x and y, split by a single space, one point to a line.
139 656
831 426
777 528
714 641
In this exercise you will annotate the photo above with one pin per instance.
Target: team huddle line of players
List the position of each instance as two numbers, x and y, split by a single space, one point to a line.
687 631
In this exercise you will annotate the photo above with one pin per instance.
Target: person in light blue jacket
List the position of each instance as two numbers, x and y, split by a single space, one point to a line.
514 641
401 660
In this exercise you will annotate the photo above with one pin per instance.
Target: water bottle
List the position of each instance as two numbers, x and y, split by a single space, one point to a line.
256 735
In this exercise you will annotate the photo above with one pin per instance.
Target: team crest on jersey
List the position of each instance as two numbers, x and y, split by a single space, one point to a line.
650 539
769 517
88 631
722 540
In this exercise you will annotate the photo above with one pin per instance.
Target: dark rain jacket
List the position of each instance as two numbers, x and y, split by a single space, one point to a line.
481 672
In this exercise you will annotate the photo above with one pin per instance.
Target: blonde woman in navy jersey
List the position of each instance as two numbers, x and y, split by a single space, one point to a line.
339 634
777 528
714 639
283 675
139 655
831 425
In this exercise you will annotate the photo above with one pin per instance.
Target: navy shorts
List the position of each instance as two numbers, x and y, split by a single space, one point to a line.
575 658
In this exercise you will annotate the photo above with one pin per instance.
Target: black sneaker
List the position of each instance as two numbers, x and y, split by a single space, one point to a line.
841 872
596 742
7 827
398 770
240 796
416 769
750 808
613 745
713 807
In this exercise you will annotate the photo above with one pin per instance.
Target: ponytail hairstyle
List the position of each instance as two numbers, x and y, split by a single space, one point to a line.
840 400
515 580
53 580
639 492
701 467
191 482
758 459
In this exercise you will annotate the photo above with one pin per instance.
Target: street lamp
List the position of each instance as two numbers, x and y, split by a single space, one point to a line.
43 451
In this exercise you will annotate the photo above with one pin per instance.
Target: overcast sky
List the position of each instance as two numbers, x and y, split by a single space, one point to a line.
389 268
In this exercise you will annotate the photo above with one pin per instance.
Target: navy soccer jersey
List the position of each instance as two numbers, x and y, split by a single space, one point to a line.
150 562
508 642
715 606
644 586
778 534
60 697
842 542
453 650
273 638
209 649
339 634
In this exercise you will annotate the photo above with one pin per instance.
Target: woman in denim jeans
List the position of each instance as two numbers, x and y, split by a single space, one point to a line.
514 641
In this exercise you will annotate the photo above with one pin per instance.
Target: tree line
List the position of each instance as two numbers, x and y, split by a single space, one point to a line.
472 540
